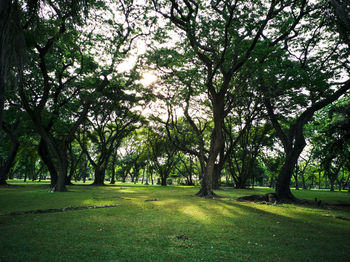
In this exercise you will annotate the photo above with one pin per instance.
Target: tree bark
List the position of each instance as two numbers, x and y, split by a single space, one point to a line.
5 167
163 180
99 176
286 172
114 158
46 158
216 145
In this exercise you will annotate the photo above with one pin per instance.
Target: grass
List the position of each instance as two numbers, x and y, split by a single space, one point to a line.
177 227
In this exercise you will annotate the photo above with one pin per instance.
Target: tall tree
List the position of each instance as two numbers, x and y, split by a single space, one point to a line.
110 121
300 79
223 36
63 81
163 154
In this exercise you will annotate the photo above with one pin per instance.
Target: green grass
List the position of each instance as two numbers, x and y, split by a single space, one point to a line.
177 227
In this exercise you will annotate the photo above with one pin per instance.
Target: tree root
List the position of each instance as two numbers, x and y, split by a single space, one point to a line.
55 210
206 194
269 197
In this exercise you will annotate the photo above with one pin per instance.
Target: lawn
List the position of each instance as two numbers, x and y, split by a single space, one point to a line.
176 227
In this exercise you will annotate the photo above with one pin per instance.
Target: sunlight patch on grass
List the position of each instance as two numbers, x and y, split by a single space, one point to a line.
176 227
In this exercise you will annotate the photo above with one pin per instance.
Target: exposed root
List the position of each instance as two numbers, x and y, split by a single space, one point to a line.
269 197
206 194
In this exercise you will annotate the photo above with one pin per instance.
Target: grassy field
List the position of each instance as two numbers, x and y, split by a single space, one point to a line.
176 227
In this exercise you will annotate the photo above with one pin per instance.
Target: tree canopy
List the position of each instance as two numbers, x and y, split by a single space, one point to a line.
243 90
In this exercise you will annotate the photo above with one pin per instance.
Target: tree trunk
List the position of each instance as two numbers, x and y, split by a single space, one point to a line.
69 180
60 185
217 177
206 189
285 175
163 180
143 176
6 165
99 176
3 176
216 145
113 177
303 180
296 176
114 159
46 158
332 185
319 180
296 181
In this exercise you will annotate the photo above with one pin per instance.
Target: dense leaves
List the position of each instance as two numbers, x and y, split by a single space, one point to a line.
238 90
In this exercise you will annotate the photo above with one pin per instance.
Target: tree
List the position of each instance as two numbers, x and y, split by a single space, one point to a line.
64 79
243 161
12 48
222 45
162 154
7 160
110 122
299 85
331 140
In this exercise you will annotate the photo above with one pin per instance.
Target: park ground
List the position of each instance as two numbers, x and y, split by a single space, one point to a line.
154 223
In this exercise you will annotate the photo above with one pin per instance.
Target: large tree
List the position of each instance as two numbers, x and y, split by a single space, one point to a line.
73 59
223 36
300 79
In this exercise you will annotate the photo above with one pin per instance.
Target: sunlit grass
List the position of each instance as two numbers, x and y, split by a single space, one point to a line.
176 227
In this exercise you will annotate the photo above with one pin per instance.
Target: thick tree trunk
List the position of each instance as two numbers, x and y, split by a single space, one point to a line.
241 182
6 44
163 180
113 177
62 167
60 185
99 176
46 158
285 175
3 176
206 189
6 165
216 145
217 177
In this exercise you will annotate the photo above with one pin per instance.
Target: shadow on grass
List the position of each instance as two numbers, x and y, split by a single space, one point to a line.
177 227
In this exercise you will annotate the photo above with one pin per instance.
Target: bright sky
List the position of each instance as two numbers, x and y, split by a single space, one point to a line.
148 78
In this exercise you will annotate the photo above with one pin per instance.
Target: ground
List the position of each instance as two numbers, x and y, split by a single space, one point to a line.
175 226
